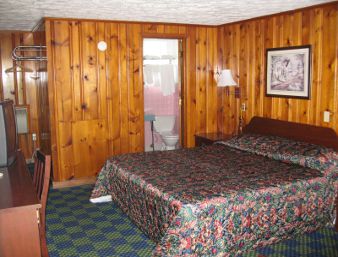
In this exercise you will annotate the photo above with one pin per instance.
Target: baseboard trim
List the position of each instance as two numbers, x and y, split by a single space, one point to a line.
74 182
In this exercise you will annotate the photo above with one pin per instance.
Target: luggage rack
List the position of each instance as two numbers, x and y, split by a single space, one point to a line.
41 50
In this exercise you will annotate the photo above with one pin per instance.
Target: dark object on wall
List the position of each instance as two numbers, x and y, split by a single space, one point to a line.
8 134
288 71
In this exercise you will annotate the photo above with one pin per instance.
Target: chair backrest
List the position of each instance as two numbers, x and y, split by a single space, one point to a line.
41 176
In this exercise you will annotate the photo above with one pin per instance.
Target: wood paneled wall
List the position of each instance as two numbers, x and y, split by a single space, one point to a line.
242 49
22 88
96 98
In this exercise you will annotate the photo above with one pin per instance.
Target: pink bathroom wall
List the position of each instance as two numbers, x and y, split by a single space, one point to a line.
157 104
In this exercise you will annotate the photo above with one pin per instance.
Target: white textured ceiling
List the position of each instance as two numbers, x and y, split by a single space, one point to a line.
25 14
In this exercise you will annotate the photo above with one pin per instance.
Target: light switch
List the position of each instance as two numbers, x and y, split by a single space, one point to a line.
327 116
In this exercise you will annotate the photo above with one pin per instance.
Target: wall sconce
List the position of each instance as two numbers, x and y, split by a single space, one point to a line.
225 79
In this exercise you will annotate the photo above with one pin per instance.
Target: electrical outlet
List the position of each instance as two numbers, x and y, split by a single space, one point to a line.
34 137
327 116
243 107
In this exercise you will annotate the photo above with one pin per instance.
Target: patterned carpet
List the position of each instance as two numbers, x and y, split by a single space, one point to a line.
76 227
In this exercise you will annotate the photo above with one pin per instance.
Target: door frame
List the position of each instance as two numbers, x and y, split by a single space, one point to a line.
183 108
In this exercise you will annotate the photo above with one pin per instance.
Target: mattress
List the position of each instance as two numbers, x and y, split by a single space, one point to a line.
218 200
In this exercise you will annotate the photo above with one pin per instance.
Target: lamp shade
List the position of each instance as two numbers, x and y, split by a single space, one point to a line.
225 79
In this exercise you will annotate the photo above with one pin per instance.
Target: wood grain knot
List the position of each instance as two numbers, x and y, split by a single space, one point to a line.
91 60
69 142
84 106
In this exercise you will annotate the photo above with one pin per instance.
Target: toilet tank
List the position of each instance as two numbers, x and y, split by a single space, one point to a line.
164 123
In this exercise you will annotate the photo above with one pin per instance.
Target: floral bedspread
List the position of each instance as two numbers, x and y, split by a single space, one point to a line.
219 200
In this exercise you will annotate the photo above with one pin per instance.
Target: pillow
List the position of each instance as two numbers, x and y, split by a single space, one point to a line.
286 150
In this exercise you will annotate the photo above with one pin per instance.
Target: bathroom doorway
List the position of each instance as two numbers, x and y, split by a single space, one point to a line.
162 80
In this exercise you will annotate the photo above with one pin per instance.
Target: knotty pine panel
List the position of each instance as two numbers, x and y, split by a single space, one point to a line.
242 47
89 137
90 68
88 87
75 40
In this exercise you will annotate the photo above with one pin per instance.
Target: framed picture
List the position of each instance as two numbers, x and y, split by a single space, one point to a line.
288 71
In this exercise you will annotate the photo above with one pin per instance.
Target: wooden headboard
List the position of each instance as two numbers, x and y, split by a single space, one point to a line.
296 131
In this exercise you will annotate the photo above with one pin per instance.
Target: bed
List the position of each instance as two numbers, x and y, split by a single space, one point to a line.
272 182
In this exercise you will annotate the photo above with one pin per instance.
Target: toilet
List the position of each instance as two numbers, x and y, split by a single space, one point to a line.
164 125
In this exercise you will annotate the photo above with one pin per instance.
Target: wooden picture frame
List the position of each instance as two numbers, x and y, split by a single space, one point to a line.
288 71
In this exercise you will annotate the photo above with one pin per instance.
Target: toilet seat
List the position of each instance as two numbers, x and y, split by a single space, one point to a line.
169 134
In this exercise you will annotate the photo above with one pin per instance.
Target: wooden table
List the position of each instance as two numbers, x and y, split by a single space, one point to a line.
19 212
210 138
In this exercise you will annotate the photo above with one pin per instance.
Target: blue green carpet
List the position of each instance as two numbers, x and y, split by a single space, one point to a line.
76 227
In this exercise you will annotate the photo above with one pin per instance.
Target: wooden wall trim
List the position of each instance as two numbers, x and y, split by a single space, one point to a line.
127 22
329 4
163 36
51 96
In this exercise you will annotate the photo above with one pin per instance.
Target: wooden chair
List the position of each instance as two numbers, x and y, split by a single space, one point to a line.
41 180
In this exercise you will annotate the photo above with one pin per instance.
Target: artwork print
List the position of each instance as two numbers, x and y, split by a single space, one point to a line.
288 72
